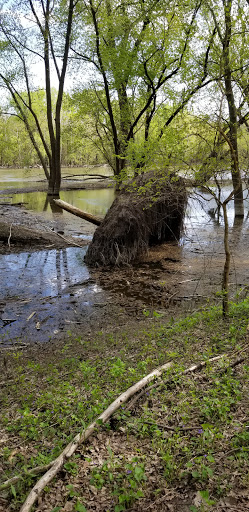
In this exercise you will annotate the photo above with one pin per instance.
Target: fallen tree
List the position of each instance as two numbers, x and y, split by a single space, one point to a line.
147 211
79 213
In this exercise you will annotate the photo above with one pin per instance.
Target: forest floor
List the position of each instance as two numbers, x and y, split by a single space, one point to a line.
180 447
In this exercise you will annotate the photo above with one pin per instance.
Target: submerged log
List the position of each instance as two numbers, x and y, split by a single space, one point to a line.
79 213
147 211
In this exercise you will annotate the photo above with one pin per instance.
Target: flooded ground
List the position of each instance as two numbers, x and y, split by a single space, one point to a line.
27 178
46 293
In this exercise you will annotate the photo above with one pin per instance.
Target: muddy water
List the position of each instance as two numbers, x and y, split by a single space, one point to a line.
48 292
95 201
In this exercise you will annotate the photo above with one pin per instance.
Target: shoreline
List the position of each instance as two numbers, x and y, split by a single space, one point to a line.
74 185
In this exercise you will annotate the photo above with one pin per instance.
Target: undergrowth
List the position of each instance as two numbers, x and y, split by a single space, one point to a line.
189 436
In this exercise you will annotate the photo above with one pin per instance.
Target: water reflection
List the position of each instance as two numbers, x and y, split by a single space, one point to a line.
40 289
42 273
95 201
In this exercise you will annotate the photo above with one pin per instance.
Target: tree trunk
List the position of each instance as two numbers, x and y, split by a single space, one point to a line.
54 182
233 120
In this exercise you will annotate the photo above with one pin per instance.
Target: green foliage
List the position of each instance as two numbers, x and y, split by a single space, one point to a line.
126 481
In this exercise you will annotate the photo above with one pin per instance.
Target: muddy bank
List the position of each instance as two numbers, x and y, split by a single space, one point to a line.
22 229
16 238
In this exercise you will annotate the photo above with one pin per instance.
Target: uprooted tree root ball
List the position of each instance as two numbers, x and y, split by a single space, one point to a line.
148 210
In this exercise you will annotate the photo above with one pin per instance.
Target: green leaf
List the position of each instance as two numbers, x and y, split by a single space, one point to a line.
79 507
205 496
210 458
109 450
13 490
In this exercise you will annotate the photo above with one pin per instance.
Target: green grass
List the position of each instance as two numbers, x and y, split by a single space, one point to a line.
190 434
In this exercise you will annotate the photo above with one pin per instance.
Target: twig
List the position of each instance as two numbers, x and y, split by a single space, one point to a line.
82 437
69 242
31 472
230 452
167 427
188 370
232 365
10 235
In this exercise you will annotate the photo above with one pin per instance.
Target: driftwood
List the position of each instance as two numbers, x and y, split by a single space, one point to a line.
82 437
19 235
69 242
79 213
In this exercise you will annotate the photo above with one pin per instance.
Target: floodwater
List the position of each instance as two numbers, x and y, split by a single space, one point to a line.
94 201
43 292
27 178
46 292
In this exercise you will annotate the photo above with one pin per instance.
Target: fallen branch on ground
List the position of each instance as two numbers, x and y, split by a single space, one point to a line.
82 437
193 368
31 472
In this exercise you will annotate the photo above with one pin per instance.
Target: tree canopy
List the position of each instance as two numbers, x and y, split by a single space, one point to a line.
148 82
